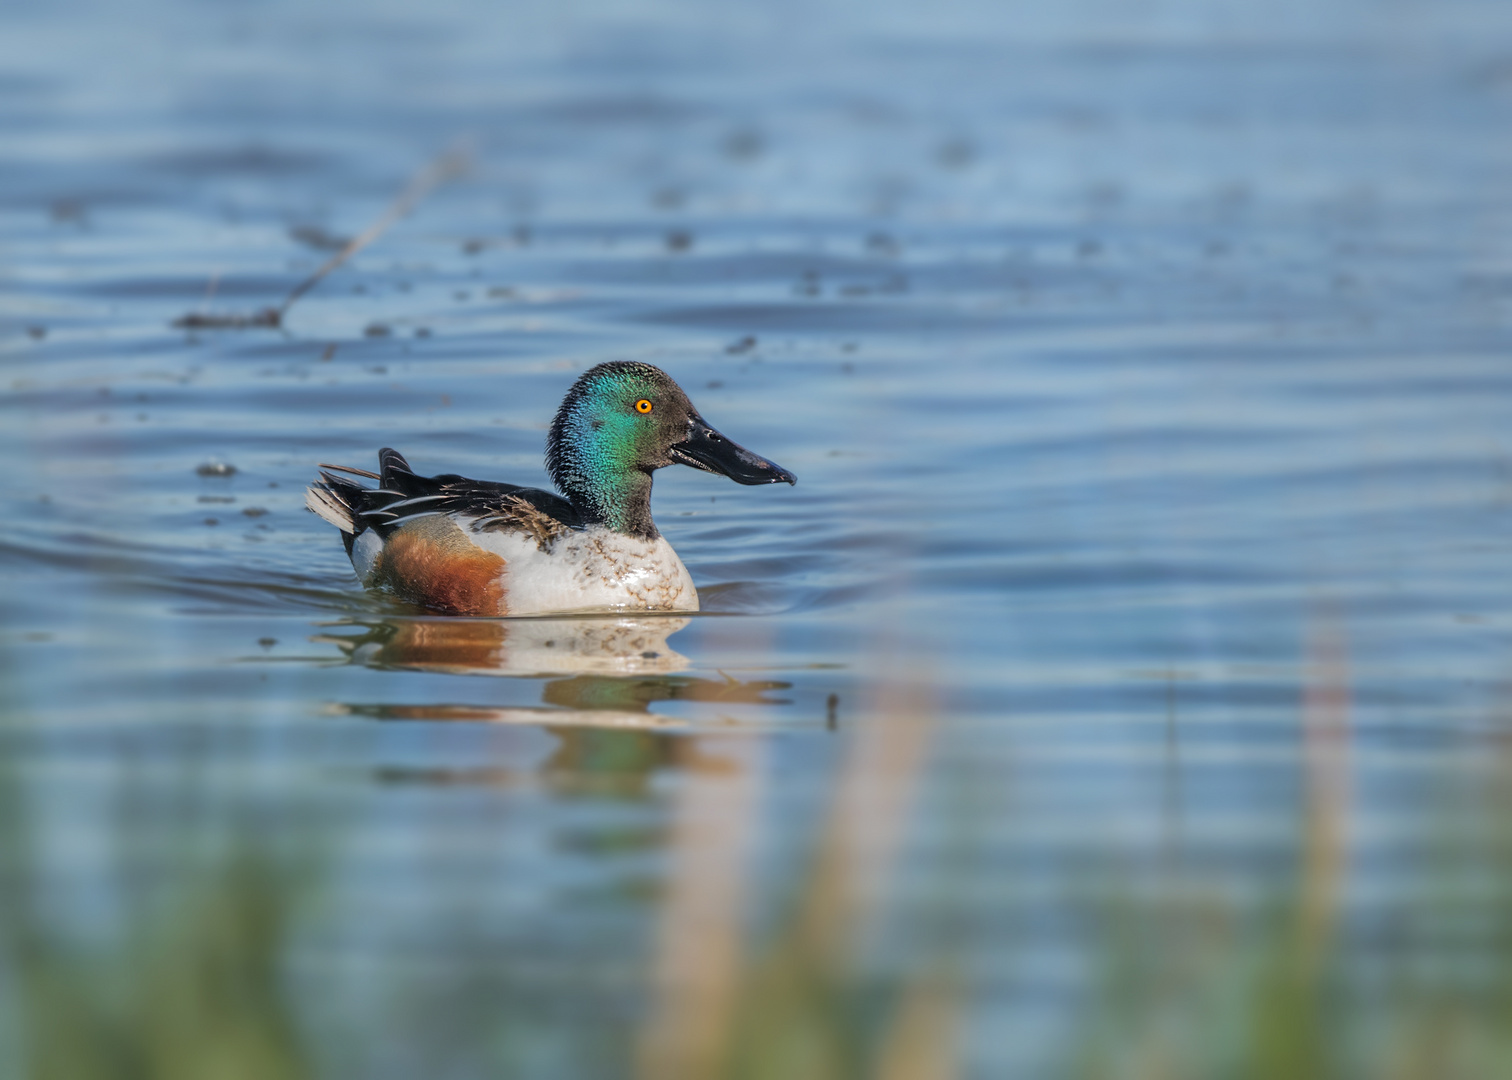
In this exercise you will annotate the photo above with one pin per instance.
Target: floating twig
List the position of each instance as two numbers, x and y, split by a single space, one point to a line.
446 167
199 320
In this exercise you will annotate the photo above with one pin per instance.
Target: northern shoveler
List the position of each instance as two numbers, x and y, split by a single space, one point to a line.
475 547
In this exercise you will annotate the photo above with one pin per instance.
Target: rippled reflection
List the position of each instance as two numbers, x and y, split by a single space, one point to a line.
610 671
620 645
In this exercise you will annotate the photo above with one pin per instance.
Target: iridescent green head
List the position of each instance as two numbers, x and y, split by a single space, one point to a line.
621 422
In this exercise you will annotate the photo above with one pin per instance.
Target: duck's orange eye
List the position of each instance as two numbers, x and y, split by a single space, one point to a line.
643 406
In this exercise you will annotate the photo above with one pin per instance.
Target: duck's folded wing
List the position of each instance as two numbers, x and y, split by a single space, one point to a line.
401 496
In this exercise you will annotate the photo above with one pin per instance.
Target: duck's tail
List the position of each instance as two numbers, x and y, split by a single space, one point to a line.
338 500
346 504
326 498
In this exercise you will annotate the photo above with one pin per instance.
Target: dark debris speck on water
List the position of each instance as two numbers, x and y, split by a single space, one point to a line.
313 236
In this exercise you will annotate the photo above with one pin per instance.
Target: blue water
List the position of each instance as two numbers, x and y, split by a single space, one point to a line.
1145 376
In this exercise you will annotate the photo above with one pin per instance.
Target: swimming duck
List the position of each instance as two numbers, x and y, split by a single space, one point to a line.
476 547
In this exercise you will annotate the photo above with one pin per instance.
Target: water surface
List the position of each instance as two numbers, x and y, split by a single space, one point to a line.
1123 682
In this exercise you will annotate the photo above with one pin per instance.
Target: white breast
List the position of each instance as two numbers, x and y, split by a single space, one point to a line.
593 570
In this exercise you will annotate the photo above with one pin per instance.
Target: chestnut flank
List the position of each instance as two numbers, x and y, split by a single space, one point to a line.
432 562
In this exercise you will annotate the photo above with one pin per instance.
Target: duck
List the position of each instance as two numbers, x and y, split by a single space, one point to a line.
483 548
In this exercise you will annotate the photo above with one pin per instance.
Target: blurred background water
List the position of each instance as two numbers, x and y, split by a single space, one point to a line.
1121 691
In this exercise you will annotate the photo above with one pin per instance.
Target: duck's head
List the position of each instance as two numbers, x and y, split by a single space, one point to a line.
621 422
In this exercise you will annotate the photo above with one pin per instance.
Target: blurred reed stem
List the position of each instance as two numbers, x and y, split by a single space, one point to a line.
797 1007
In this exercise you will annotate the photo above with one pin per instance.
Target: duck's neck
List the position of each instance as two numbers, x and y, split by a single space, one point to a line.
621 503
592 463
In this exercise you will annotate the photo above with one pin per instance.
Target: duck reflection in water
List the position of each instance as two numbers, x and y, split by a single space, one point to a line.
604 671
606 645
